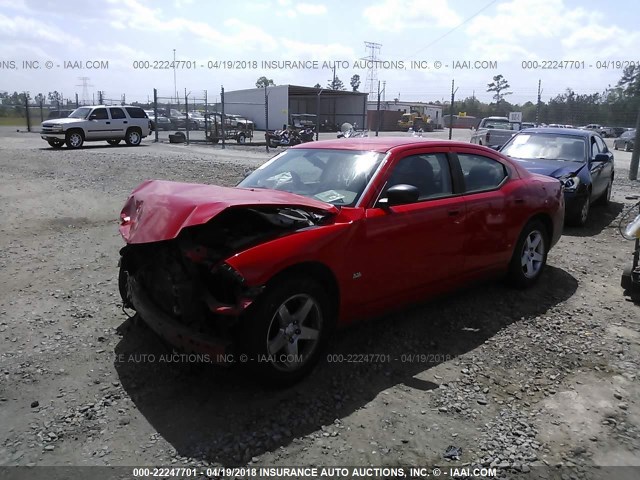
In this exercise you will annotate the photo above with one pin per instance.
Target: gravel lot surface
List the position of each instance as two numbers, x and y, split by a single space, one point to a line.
519 380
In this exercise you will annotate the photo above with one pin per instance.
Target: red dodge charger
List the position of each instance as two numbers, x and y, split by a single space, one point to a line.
324 234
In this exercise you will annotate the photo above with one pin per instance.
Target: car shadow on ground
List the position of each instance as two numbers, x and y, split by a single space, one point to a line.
218 415
90 147
600 218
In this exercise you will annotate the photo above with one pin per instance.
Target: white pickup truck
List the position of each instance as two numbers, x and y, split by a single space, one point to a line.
91 124
494 131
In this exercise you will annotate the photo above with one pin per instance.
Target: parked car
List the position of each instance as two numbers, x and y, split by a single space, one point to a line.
53 114
239 121
162 123
625 141
98 123
578 158
324 234
617 131
594 127
494 131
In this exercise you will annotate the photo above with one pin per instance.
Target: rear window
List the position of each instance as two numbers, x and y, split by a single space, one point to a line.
136 112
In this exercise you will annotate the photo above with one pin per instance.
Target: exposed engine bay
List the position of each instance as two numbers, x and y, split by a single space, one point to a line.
187 278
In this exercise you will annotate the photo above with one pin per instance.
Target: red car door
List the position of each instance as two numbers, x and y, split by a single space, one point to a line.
488 243
405 249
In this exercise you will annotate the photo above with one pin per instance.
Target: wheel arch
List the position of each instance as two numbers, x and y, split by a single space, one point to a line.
318 271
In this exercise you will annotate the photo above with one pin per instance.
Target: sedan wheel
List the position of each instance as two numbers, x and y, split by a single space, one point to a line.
530 255
288 327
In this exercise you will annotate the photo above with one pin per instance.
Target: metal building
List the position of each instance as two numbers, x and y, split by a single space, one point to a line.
333 107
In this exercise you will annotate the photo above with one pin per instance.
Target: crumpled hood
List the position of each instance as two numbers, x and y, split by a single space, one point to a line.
158 210
551 168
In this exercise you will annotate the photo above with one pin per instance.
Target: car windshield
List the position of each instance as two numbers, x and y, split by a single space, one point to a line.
81 112
546 146
333 176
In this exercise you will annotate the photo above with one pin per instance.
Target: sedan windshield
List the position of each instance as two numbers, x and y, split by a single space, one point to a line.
81 112
333 176
546 146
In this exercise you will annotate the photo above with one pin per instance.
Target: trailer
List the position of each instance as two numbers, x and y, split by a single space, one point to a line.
215 131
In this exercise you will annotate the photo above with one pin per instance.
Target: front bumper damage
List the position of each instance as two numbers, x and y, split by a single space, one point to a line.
175 333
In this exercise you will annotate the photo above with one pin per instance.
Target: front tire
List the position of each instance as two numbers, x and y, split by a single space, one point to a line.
133 137
286 330
530 255
55 143
75 139
605 198
581 215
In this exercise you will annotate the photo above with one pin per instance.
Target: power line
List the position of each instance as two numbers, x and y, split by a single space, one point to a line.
453 29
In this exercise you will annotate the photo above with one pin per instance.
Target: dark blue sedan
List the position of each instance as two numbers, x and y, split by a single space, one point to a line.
578 158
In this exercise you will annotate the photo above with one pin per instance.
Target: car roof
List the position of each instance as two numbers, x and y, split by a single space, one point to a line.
574 132
384 144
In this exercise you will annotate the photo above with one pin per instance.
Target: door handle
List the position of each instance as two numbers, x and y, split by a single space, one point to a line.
108 123
453 213
519 200
124 121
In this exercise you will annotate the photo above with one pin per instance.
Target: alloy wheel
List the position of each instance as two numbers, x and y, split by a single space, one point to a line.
294 332
533 251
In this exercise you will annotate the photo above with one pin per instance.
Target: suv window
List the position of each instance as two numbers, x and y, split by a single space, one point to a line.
429 173
100 114
136 112
481 173
117 113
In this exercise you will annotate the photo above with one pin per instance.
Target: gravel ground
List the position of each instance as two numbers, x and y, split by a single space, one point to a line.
542 382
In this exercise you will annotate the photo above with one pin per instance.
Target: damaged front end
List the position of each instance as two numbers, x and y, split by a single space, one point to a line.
184 289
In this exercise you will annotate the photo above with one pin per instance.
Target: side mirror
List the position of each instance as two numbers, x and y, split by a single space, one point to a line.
93 116
495 147
401 194
601 158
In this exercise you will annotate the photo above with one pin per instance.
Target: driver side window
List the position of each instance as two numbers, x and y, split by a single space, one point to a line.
100 114
429 173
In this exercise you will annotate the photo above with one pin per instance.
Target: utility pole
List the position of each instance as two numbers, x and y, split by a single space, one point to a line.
333 83
175 89
538 104
453 93
378 111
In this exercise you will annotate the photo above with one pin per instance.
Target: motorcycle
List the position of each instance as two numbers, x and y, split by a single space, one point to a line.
351 131
306 134
283 138
631 275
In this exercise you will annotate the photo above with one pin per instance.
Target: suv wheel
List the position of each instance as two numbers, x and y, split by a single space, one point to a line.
134 137
75 139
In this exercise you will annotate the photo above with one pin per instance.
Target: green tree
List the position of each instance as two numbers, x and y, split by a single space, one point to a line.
355 82
630 81
335 84
499 86
264 82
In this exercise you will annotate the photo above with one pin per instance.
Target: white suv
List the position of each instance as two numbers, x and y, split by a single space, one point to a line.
91 124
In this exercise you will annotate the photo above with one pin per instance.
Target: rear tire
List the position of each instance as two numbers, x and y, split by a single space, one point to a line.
292 319
627 147
133 137
530 255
